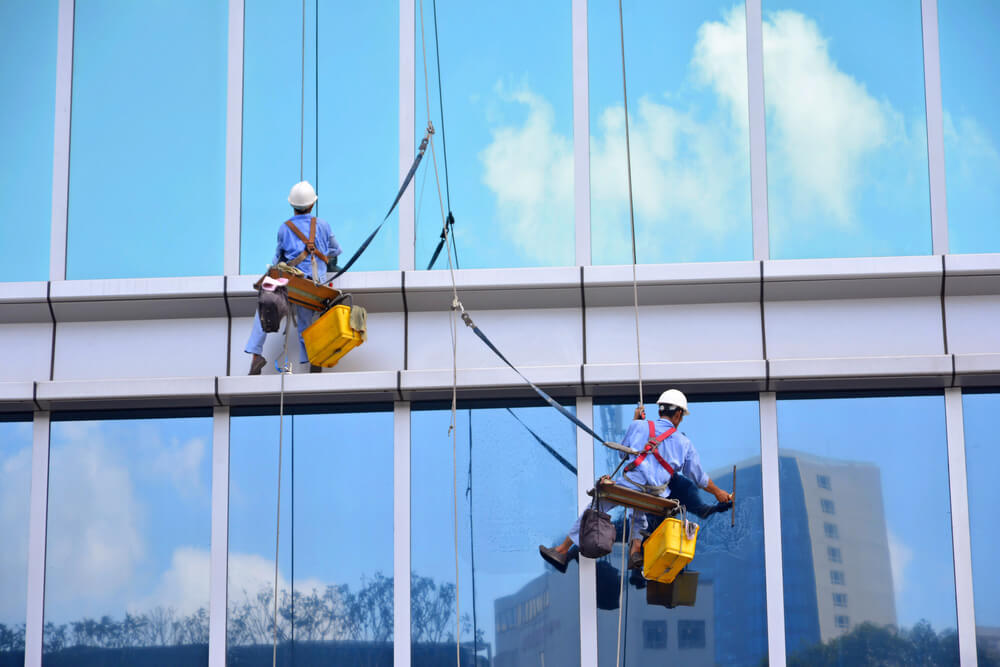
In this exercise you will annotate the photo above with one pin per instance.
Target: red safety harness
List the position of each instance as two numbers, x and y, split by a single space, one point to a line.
651 447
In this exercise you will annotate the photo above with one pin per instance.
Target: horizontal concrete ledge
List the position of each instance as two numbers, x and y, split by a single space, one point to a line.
126 393
690 376
494 289
377 291
17 396
332 387
24 302
664 284
887 372
972 275
977 370
138 299
852 277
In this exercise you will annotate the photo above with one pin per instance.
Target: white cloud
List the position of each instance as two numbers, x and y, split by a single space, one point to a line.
250 573
530 171
900 556
183 587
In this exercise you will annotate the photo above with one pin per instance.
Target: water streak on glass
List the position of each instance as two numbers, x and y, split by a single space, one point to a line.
127 555
729 559
866 530
512 495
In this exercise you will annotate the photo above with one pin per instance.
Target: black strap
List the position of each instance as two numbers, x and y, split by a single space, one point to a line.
399 195
548 399
566 464
449 222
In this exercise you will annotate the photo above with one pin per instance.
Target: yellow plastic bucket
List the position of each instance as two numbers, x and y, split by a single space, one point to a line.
330 337
668 550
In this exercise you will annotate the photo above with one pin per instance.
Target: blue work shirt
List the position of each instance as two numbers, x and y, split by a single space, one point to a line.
289 245
676 450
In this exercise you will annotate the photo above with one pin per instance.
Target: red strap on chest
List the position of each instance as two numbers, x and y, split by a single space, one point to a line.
651 448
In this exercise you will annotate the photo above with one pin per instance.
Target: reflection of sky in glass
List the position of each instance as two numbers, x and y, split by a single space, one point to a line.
688 123
969 57
336 514
729 560
147 173
508 101
357 143
128 519
15 489
27 82
982 460
521 496
846 129
882 461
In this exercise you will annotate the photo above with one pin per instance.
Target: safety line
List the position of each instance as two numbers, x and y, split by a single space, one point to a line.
631 211
302 103
444 143
558 457
621 589
277 518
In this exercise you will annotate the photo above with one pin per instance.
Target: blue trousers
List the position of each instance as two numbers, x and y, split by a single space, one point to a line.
686 492
255 344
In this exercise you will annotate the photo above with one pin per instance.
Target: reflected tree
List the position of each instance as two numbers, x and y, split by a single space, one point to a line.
11 638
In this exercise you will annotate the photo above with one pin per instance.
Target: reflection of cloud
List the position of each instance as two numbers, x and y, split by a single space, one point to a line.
181 463
15 482
900 556
250 573
183 587
530 170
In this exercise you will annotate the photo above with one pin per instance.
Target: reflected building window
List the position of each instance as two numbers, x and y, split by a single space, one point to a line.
335 556
513 493
842 622
830 529
828 508
823 481
654 634
837 577
840 599
833 554
690 634
127 552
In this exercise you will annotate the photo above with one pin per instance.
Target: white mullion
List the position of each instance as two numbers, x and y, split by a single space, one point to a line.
401 533
770 484
588 577
581 132
758 135
407 111
961 539
935 127
61 137
234 140
38 513
219 559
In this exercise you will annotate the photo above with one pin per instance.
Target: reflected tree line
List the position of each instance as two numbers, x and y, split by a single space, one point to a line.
871 644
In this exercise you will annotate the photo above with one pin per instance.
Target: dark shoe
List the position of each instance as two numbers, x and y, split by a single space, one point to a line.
313 368
257 364
635 560
554 558
706 511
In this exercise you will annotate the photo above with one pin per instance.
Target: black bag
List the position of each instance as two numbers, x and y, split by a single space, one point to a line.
597 533
272 307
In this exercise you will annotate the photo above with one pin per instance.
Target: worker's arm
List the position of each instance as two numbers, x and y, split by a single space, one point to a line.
719 494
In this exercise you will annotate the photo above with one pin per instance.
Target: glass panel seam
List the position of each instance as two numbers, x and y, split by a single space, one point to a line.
234 139
60 155
935 127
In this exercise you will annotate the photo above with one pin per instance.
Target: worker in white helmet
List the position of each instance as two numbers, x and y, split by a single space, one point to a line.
672 465
305 242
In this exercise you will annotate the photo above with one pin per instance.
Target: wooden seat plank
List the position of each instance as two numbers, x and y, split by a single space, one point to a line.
646 502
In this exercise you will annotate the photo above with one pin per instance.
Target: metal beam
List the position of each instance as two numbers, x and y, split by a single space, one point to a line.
581 133
588 572
935 127
758 138
774 581
38 513
401 533
219 559
407 147
61 138
234 140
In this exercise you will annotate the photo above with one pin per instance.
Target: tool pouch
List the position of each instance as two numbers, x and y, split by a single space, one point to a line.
272 307
597 533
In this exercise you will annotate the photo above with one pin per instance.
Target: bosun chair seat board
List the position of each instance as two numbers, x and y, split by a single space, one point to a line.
621 495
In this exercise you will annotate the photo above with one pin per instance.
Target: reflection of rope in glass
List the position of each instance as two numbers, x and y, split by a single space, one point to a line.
472 548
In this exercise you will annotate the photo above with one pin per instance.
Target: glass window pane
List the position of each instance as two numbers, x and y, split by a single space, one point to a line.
508 107
729 560
335 539
15 490
147 180
688 123
129 526
881 584
970 55
982 460
512 494
846 129
28 34
348 151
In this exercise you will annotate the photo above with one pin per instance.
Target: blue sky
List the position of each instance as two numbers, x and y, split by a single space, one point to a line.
847 166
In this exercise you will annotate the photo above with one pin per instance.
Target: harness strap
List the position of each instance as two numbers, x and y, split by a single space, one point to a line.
310 243
651 447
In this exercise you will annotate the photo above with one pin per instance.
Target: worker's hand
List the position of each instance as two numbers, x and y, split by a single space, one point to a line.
640 413
722 496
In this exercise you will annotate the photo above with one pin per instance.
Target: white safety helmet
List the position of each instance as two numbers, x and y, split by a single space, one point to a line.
674 397
302 195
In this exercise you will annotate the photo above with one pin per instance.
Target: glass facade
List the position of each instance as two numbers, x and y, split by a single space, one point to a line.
28 32
15 489
846 129
302 120
508 94
982 460
147 175
889 588
335 548
127 558
689 130
512 493
729 559
969 57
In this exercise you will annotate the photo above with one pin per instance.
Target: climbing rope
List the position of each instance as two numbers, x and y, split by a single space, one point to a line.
449 225
631 211
277 519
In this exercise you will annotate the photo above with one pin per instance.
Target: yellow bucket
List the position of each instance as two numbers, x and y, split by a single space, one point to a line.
331 337
668 550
